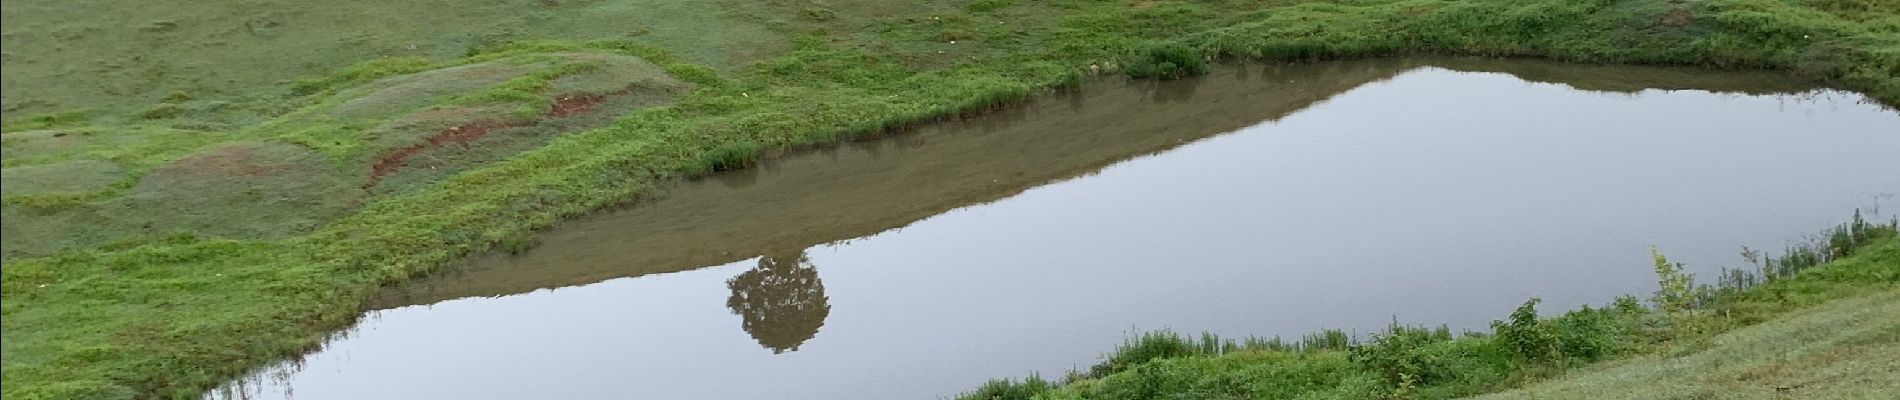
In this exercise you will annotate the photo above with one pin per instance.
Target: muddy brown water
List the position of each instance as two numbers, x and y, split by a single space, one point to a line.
1259 200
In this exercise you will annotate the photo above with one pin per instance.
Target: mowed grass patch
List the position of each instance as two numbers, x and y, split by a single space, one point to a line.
305 169
257 190
403 93
120 56
254 190
139 147
71 177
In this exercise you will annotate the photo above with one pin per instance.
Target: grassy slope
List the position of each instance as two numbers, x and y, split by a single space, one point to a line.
1829 332
1847 349
168 316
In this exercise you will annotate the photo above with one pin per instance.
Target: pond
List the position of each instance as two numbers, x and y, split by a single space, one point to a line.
1258 200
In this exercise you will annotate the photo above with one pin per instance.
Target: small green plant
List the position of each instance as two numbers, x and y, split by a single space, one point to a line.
1675 291
1407 389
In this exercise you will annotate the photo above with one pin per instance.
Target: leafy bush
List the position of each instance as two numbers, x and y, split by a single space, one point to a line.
1527 337
1589 334
1675 291
1399 355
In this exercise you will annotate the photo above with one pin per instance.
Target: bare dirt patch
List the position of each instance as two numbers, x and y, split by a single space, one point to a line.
459 134
572 105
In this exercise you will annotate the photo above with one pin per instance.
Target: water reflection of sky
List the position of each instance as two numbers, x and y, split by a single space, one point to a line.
1437 196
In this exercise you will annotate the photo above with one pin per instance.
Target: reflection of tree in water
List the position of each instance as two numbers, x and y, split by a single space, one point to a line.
781 302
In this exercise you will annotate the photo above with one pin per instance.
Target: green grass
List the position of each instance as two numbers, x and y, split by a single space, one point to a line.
98 305
1845 349
1826 326
119 56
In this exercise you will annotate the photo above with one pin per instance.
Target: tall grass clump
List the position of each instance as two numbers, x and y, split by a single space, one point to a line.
1840 242
1009 389
1154 345
727 157
1166 60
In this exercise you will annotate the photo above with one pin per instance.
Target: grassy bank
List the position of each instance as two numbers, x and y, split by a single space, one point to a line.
176 237
1818 322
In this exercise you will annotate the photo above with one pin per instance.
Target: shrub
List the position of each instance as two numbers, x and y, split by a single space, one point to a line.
1589 334
1675 288
1527 337
1400 356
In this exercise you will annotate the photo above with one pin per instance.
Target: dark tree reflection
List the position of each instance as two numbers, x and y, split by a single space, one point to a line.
781 302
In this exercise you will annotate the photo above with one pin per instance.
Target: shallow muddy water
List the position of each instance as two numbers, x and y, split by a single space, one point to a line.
1260 200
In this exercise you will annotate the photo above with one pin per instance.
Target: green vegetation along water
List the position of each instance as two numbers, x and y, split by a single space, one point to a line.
1030 240
180 135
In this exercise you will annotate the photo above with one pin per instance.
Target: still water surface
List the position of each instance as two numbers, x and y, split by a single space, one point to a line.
1273 200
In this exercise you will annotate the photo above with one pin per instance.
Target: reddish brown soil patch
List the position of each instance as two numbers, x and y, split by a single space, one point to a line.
564 106
571 105
1677 17
459 134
